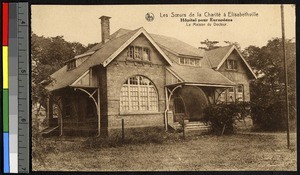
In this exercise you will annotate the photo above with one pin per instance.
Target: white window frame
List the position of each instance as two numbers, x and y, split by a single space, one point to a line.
231 64
239 95
138 53
189 61
135 94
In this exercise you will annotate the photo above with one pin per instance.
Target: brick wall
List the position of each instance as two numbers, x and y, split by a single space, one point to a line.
122 68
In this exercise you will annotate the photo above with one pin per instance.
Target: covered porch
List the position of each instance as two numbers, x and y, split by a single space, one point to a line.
187 101
74 110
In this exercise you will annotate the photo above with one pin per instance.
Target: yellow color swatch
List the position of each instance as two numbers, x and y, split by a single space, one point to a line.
5 66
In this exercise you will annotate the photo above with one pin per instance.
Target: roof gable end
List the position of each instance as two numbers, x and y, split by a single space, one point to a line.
241 56
130 40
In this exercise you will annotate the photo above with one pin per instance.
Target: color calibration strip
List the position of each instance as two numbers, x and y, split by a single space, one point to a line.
5 91
15 61
13 86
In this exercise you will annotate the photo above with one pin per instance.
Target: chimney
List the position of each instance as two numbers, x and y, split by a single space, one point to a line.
105 29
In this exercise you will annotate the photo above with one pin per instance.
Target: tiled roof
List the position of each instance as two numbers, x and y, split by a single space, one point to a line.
177 46
205 74
215 56
191 74
65 78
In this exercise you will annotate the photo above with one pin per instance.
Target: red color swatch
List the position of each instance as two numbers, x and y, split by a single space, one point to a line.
4 24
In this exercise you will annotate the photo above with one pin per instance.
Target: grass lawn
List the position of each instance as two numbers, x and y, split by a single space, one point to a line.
197 153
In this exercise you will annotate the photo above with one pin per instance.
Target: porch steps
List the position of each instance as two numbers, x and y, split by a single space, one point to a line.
192 127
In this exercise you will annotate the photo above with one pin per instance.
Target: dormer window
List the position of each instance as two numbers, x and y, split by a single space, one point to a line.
71 64
190 61
231 64
138 53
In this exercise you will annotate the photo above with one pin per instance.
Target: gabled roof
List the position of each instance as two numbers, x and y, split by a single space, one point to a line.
104 55
135 35
200 75
215 56
63 78
177 47
218 56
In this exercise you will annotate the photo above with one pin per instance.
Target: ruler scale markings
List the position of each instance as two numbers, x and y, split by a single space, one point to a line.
23 88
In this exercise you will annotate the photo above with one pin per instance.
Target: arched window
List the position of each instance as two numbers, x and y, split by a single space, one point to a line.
138 93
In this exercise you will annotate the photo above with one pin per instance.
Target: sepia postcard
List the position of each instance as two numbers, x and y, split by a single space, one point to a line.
163 87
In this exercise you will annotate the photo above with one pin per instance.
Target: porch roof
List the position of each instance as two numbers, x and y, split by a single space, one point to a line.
201 76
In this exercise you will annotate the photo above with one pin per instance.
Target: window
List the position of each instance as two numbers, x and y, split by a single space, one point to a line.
240 93
138 93
71 64
138 53
189 61
181 60
231 64
222 97
146 54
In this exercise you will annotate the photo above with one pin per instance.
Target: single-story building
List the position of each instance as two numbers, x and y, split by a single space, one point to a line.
145 79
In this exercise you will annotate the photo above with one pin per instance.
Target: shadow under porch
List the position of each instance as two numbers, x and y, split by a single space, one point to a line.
75 111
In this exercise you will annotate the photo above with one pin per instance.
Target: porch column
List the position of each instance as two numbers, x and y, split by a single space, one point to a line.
167 108
98 111
50 111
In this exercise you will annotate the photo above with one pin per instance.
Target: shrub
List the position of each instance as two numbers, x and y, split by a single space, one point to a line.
223 116
269 117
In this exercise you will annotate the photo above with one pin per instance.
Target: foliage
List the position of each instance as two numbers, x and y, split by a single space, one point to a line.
222 116
269 117
209 45
268 91
236 44
48 54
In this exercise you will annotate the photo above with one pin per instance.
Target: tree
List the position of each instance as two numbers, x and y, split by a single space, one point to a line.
267 91
209 44
236 44
48 55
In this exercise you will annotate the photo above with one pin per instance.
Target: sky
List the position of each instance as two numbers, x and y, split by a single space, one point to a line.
81 23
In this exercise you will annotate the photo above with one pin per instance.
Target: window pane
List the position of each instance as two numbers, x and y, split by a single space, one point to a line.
240 88
192 62
222 97
146 54
153 98
139 95
124 101
137 52
144 98
130 52
134 96
239 93
181 60
234 65
133 80
186 61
